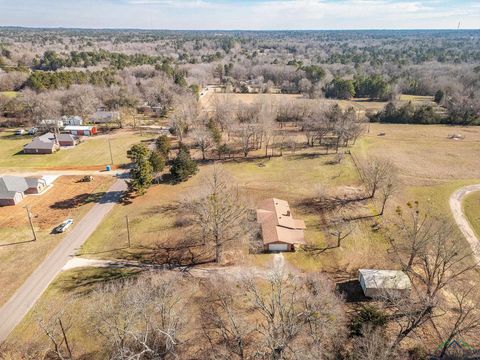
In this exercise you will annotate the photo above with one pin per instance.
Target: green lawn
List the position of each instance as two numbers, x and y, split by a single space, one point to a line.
471 208
92 152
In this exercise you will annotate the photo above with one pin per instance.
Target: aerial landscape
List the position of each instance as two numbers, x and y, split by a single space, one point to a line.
224 179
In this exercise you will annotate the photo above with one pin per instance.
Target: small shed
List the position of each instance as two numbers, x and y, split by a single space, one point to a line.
81 130
376 282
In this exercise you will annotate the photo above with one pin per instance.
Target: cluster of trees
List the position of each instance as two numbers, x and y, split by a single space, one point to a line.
147 164
52 61
374 87
41 80
407 114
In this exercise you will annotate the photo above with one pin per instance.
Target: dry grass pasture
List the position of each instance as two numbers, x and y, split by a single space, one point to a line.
19 256
471 208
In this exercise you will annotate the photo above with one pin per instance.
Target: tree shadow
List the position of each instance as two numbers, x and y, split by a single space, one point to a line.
83 282
351 291
79 200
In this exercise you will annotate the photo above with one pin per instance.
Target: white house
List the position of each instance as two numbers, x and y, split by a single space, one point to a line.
72 120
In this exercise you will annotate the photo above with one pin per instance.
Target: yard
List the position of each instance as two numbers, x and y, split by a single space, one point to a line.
93 152
19 256
471 208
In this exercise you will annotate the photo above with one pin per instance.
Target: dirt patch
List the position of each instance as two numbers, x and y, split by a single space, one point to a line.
66 190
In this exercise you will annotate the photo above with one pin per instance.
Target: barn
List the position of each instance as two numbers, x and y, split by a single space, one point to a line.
81 130
280 231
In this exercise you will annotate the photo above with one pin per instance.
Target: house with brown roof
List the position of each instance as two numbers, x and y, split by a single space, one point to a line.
280 231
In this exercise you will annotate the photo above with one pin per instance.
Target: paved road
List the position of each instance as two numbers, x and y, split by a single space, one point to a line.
462 222
26 296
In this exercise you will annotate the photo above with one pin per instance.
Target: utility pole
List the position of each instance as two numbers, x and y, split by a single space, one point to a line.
128 231
110 148
31 223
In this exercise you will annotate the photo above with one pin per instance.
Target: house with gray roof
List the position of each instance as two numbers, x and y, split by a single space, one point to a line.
12 190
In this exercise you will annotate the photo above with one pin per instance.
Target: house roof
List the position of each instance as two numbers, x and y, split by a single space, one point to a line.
278 224
65 137
10 185
38 143
385 279
33 182
78 127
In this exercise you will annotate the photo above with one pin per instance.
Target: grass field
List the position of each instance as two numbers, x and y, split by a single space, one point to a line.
471 208
92 152
19 256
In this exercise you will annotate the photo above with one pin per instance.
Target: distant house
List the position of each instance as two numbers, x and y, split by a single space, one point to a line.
12 190
72 120
280 231
377 282
101 117
81 130
48 123
44 144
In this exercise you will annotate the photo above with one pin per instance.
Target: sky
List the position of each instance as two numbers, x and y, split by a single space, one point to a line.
242 14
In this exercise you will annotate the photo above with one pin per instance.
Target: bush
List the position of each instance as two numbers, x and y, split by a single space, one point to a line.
368 315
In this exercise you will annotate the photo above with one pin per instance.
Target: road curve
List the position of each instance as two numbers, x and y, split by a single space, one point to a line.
25 297
461 220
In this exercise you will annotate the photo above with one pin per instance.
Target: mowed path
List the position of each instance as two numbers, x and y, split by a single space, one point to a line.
25 297
461 220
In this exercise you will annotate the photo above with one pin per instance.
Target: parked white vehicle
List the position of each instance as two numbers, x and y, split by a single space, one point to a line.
63 226
20 132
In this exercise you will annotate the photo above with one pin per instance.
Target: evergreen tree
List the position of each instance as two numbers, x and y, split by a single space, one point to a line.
157 161
183 166
163 145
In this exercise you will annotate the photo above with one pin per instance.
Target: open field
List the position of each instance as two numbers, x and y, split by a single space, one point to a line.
471 208
93 151
19 256
424 154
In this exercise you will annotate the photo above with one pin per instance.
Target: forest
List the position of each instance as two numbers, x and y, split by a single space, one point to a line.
134 67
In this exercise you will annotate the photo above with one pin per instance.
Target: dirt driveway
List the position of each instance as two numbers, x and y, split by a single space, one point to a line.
461 220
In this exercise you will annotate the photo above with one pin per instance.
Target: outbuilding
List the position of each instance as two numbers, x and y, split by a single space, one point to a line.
81 130
376 282
66 140
72 120
280 231
35 185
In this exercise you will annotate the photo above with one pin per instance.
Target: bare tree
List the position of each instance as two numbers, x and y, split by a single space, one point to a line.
376 174
218 210
141 318
203 139
431 255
